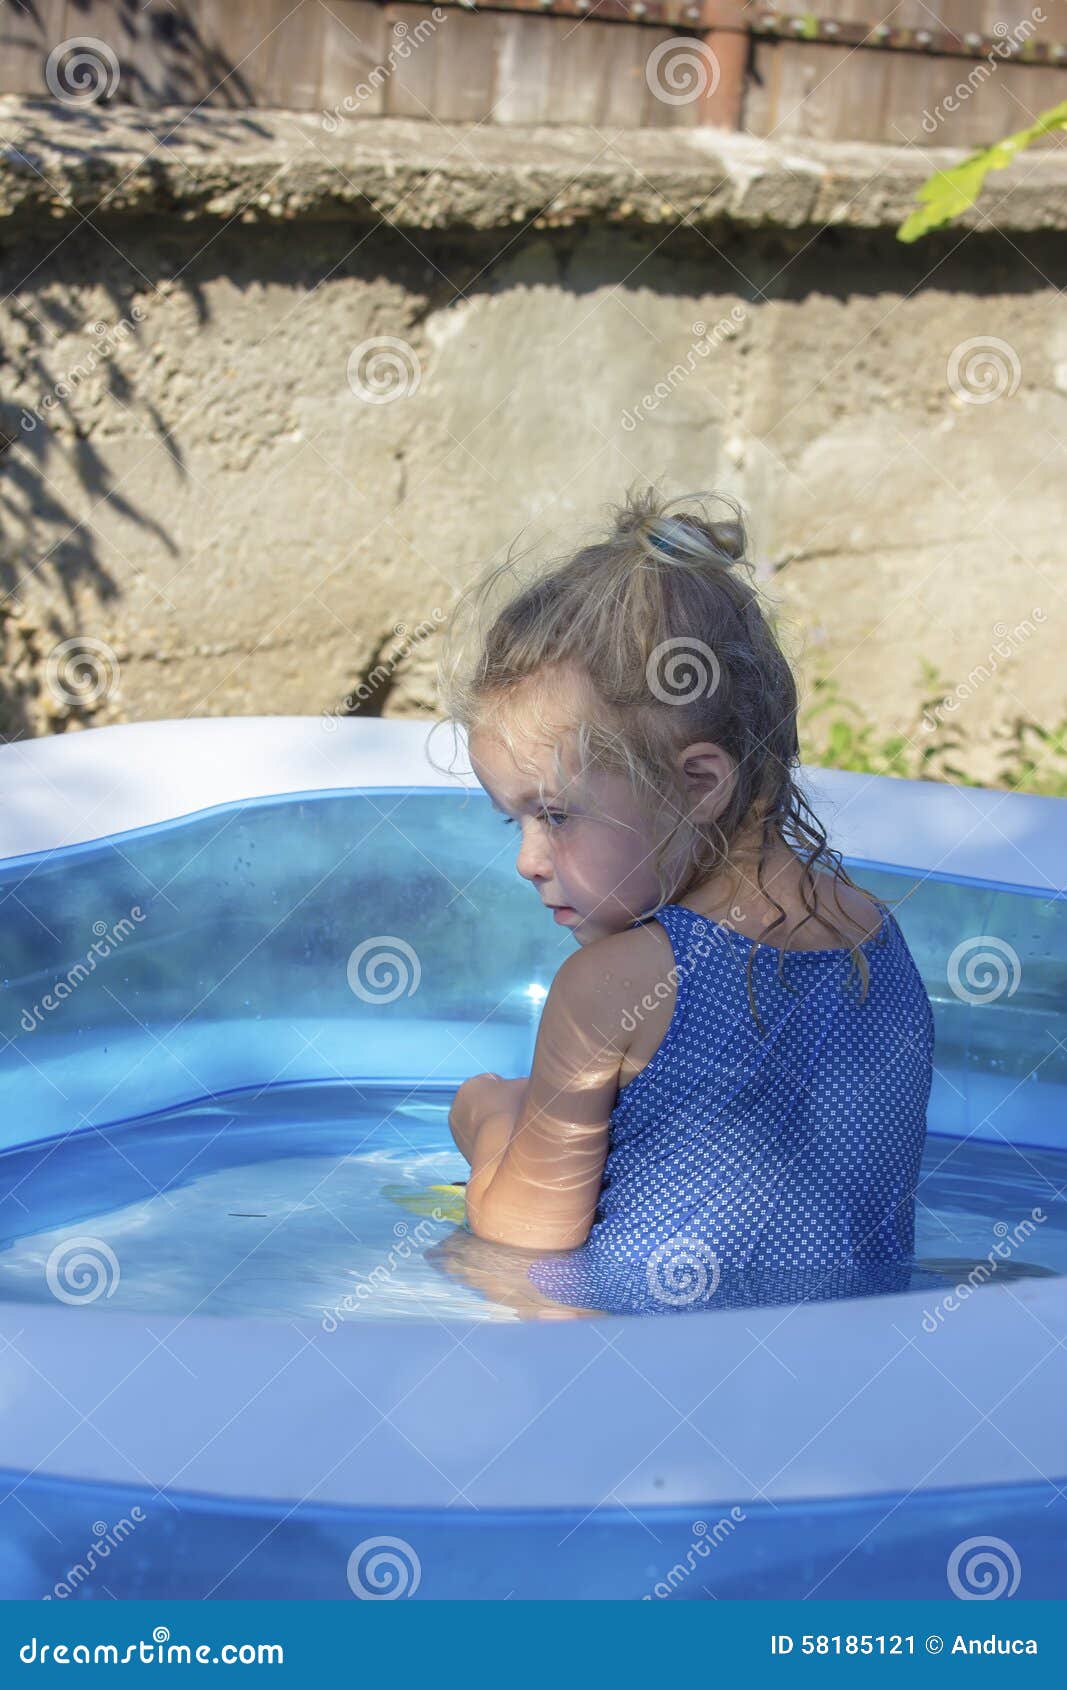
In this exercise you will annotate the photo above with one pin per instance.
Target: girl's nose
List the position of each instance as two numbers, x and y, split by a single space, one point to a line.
532 861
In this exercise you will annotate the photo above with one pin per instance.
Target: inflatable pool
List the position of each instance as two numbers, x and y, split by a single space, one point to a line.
247 1346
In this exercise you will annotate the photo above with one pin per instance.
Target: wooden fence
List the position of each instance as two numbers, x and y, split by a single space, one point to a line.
959 74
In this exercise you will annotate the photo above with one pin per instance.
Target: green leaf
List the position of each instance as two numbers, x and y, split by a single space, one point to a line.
947 193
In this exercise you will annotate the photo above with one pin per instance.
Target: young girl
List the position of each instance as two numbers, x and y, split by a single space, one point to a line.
732 1070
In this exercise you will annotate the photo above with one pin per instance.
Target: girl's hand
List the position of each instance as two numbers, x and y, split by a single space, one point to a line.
498 1274
477 1098
470 1104
513 1093
460 1120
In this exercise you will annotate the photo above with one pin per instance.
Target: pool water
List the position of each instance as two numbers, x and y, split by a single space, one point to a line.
316 1201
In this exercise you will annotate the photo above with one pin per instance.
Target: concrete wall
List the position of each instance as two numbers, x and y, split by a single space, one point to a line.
208 479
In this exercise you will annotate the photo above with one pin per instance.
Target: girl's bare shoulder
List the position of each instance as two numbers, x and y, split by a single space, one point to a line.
847 908
627 982
844 915
622 964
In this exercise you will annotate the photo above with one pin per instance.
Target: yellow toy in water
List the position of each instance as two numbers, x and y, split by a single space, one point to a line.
442 1202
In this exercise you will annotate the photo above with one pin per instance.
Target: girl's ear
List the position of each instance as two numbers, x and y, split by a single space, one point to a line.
710 775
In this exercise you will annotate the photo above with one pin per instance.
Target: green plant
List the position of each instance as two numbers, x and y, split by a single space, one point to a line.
947 193
849 740
1035 770
837 734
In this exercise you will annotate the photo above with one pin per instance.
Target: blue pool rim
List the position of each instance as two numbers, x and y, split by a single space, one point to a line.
34 859
556 1384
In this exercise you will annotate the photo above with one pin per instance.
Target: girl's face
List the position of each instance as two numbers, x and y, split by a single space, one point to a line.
587 851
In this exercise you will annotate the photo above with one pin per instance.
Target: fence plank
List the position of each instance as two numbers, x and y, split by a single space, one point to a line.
762 96
503 67
409 91
986 103
185 68
583 54
847 93
289 64
627 95
523 63
246 36
462 49
1031 90
273 50
680 69
200 72
129 36
233 30
27 36
1017 92
353 57
837 93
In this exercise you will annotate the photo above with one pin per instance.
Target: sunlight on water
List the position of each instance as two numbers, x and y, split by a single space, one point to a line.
319 1202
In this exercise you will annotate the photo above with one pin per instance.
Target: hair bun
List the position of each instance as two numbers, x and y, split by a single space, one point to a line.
729 537
694 538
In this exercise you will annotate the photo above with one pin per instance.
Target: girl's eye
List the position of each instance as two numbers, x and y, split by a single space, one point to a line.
555 817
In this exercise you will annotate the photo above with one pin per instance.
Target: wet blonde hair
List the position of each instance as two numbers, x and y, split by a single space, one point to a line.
664 624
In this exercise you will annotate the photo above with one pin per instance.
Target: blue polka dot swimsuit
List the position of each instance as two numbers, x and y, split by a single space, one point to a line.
746 1168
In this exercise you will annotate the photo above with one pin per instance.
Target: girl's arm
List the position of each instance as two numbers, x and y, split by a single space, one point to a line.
478 1097
536 1169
